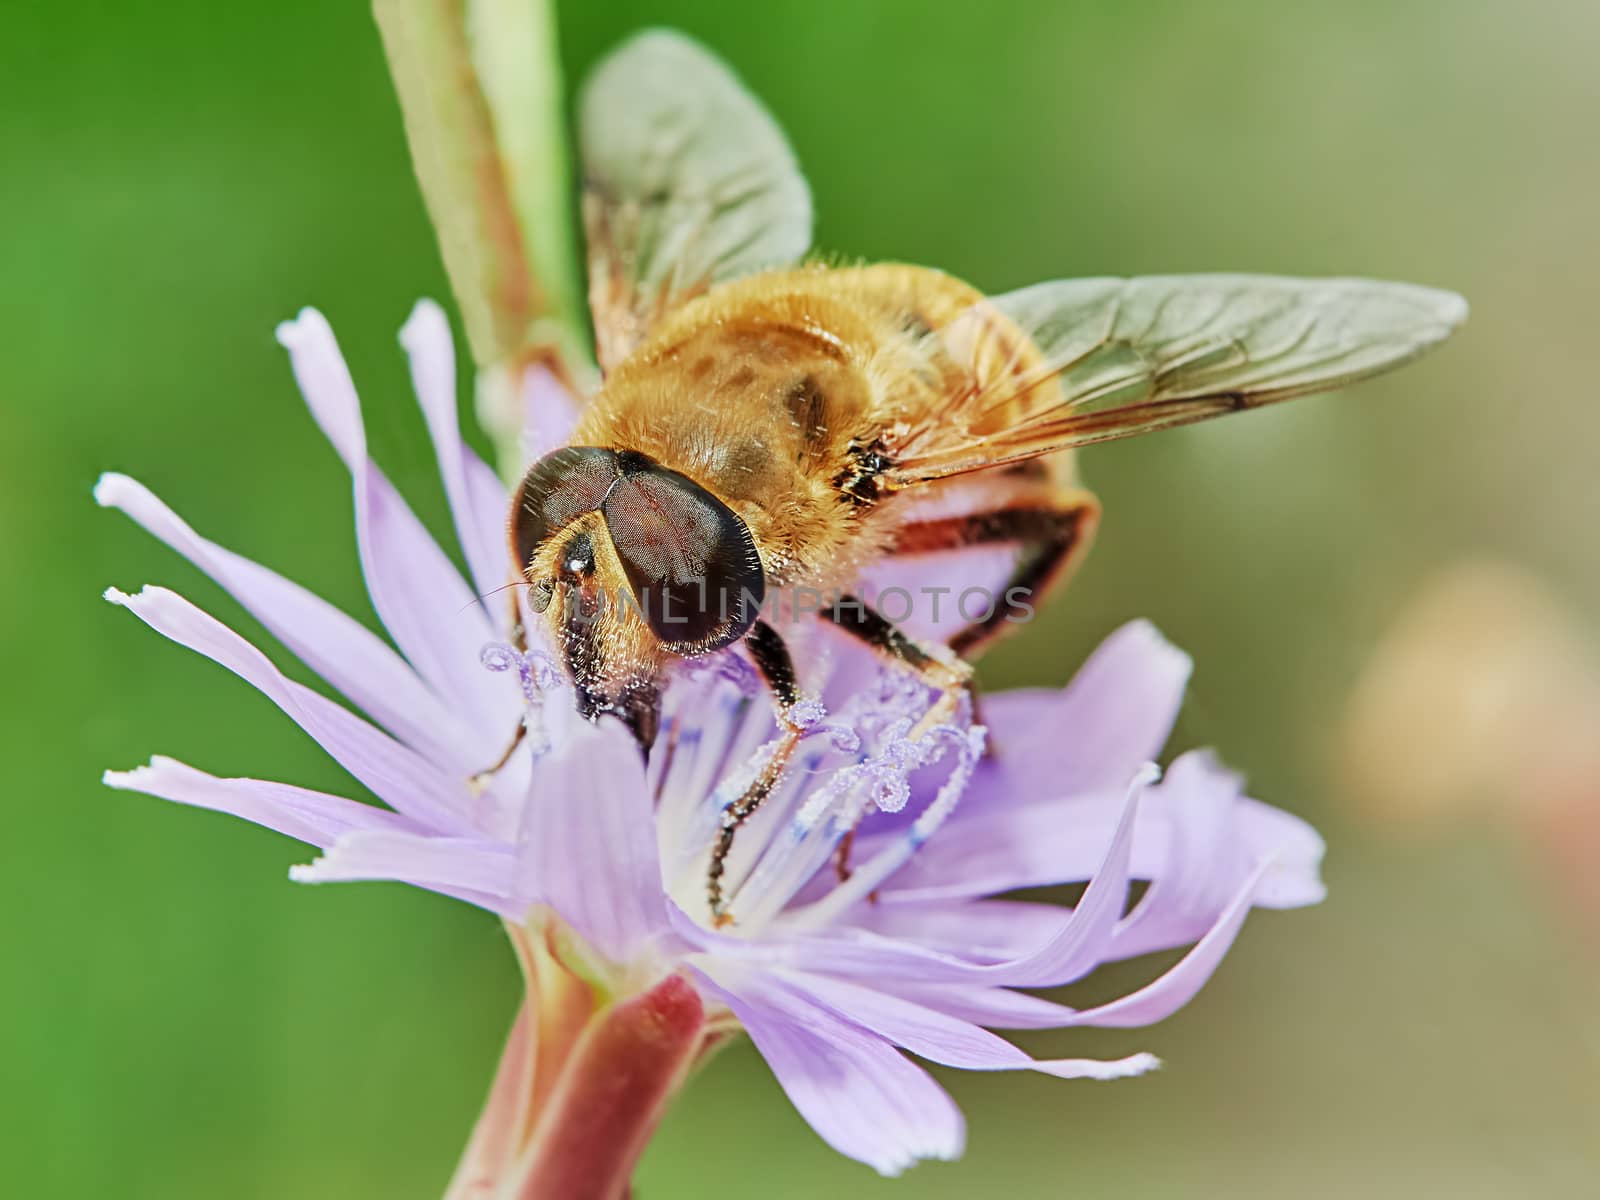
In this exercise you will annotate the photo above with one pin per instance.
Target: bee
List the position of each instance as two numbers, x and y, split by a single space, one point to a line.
764 424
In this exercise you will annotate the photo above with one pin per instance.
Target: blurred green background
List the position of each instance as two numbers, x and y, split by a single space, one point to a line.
179 1021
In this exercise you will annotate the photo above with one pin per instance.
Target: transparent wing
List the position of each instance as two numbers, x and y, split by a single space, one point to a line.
1079 361
687 181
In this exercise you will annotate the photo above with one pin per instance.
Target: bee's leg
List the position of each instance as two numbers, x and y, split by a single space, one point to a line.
934 666
1053 534
480 779
519 641
777 668
841 856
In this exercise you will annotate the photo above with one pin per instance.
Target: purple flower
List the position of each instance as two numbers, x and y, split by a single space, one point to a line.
832 973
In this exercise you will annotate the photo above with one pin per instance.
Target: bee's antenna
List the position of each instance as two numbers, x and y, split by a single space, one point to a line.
481 596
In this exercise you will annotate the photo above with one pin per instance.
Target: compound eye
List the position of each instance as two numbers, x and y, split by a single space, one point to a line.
689 559
559 488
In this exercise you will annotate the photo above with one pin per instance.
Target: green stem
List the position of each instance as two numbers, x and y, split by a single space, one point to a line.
479 83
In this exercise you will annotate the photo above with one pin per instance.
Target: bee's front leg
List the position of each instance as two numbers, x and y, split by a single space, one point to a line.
937 666
519 641
772 659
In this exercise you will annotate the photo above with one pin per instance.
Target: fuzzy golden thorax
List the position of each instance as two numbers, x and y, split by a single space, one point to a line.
756 425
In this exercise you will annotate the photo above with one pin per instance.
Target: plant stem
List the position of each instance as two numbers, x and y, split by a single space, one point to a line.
612 1093
583 1080
480 89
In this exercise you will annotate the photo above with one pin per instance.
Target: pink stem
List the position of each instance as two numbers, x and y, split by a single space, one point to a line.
493 1141
557 1008
612 1091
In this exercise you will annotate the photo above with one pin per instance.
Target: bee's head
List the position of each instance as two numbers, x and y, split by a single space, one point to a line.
630 561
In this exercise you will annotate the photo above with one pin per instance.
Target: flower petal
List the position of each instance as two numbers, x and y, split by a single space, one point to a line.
981 930
301 813
1164 996
1216 838
1077 945
588 841
422 600
1195 820
940 982
334 645
399 776
550 413
1092 734
1294 848
928 1032
1076 948
991 1007
1026 845
452 865
478 502
858 1092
